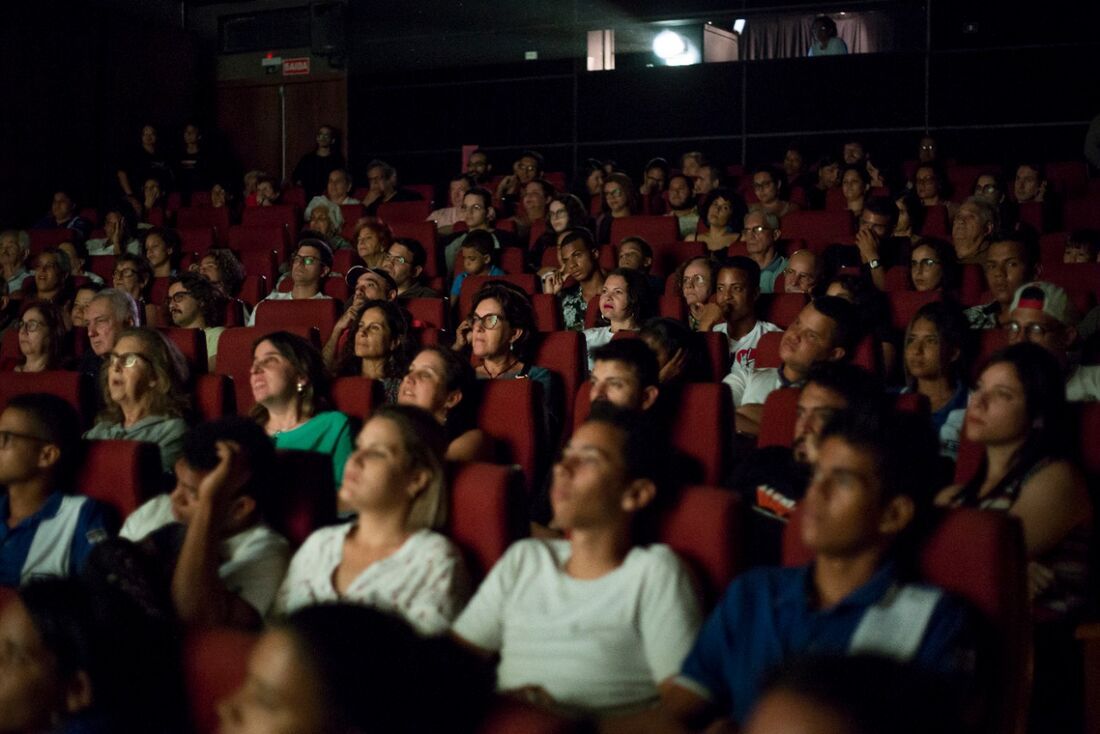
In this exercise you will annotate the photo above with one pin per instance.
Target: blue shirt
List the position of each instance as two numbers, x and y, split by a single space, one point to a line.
457 287
766 617
55 541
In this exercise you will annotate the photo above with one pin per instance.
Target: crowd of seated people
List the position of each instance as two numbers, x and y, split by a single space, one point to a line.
881 345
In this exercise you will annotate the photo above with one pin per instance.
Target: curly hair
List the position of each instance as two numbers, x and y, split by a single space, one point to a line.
231 269
397 327
517 308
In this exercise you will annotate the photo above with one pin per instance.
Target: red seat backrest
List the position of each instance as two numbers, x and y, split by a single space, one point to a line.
547 312
1052 247
563 353
305 498
235 356
72 387
404 211
511 716
1081 214
122 474
818 228
1031 213
936 222
356 396
472 284
215 664
989 341
43 238
103 266
342 260
322 313
905 304
650 228
767 350
511 414
351 213
253 290
1069 178
197 239
261 237
781 308
672 307
778 419
260 262
204 216
705 526
513 260
431 312
1088 433
1081 281
667 256
214 397
488 512
192 344
276 215
426 191
717 347
978 556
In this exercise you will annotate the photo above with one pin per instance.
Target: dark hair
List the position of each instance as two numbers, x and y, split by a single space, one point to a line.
66 291
418 254
516 306
144 270
712 266
1047 415
1087 238
548 189
334 640
949 262
746 265
637 293
861 171
859 388
736 212
398 326
309 238
534 155
211 300
845 316
953 329
232 271
915 209
829 23
673 336
1029 247
870 694
578 217
582 235
883 206
58 422
57 348
660 163
629 191
943 184
643 457
779 178
480 240
388 171
633 352
200 451
306 362
484 194
171 239
647 250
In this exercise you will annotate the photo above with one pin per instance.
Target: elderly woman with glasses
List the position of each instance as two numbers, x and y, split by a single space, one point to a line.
133 275
143 385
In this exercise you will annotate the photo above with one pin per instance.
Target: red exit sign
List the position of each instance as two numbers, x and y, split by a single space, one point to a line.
296 67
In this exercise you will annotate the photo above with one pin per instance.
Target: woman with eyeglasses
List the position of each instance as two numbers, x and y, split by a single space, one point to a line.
772 190
43 339
697 283
442 383
619 200
143 383
624 307
52 280
933 266
134 276
564 212
375 346
722 214
291 388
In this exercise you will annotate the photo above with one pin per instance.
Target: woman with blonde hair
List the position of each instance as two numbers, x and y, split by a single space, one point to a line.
389 556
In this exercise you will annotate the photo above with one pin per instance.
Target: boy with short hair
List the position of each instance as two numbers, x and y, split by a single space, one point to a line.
476 258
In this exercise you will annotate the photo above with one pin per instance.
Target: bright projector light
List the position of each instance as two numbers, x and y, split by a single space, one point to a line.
738 25
669 44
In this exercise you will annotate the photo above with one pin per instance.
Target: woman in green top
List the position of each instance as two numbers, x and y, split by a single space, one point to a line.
291 390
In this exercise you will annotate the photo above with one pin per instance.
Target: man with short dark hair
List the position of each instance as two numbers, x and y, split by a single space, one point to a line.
382 188
710 178
826 330
682 204
1011 260
734 311
195 303
44 531
875 238
63 215
228 563
310 264
479 168
405 262
625 374
535 198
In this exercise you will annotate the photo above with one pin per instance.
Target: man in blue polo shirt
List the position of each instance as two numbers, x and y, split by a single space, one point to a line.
43 532
873 481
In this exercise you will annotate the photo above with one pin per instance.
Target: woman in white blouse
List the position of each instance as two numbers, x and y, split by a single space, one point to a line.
389 556
623 307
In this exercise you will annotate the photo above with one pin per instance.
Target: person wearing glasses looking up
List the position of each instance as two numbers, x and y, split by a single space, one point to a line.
39 456
107 314
770 187
760 234
933 267
134 276
309 266
196 303
801 273
478 213
682 204
619 200
143 381
42 345
564 212
721 211
697 280
405 260
313 169
1042 313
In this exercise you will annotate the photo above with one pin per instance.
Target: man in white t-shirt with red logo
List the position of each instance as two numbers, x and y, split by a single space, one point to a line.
737 289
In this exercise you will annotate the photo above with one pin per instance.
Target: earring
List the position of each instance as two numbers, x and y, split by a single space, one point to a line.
301 387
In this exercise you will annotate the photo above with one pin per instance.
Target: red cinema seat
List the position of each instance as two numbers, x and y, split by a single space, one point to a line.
351 214
404 211
767 350
563 353
356 396
705 526
717 347
253 290
818 228
1081 281
304 499
428 312
103 266
667 256
513 260
214 397
192 217
866 354
343 260
978 556
426 191
905 304
488 512
295 196
897 279
192 345
197 239
547 312
336 287
936 222
962 179
266 238
278 215
235 357
1052 247
538 228
122 474
651 229
672 307
43 238
778 419
1069 178
781 308
9 343
1081 214
322 313
1032 214
511 414
264 263
215 664
72 387
425 233
1088 434
472 284
989 341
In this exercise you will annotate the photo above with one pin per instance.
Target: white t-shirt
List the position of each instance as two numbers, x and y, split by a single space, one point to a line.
1084 384
743 350
280 296
425 581
595 337
752 387
212 334
100 246
254 561
599 644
